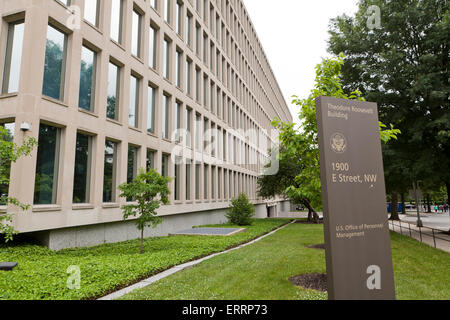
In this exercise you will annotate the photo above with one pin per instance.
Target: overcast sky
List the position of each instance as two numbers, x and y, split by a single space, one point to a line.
294 36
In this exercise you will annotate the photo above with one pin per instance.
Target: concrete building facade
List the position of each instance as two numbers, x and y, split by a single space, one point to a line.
109 87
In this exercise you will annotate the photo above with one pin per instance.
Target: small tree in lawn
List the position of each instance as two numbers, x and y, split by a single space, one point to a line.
148 190
10 152
241 211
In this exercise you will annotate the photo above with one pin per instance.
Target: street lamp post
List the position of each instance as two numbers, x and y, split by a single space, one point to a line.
419 221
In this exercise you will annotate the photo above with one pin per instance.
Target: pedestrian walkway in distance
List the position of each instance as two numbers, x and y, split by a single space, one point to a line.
430 234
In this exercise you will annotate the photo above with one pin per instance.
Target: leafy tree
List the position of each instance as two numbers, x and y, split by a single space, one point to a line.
272 185
404 66
241 211
303 144
148 190
10 152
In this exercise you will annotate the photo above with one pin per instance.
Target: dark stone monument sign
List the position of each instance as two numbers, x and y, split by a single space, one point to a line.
358 247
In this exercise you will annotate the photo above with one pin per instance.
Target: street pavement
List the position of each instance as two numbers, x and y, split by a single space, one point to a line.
440 221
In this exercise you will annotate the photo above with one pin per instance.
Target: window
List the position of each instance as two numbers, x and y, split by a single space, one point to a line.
197 181
150 163
197 84
166 64
134 102
178 67
206 139
82 173
167 9
230 184
211 57
109 179
188 127
213 139
116 20
166 117
197 5
136 34
198 138
165 165
224 145
205 183
86 97
213 183
151 109
225 184
188 179
205 92
179 14
14 46
47 166
197 39
153 43
91 11
188 77
5 164
178 128
219 183
112 105
153 3
205 9
132 165
189 29
55 64
205 48
177 179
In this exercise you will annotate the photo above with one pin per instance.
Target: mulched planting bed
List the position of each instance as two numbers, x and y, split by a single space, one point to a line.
315 281
317 246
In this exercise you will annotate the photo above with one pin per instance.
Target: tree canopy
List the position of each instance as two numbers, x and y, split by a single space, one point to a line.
403 65
146 194
302 145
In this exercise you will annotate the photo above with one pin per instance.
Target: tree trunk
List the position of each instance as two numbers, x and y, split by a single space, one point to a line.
447 185
394 202
403 203
428 203
310 215
315 217
142 242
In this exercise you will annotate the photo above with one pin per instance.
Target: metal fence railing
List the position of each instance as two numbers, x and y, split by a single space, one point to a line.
421 233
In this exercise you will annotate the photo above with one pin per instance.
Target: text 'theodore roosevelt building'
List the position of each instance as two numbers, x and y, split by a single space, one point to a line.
111 86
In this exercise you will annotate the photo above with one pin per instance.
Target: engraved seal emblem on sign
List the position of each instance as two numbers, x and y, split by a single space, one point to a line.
338 143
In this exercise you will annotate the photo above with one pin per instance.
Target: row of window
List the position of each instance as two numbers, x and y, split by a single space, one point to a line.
225 184
54 80
54 73
92 12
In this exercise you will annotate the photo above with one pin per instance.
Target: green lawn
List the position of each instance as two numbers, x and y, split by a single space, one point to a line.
261 271
42 273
